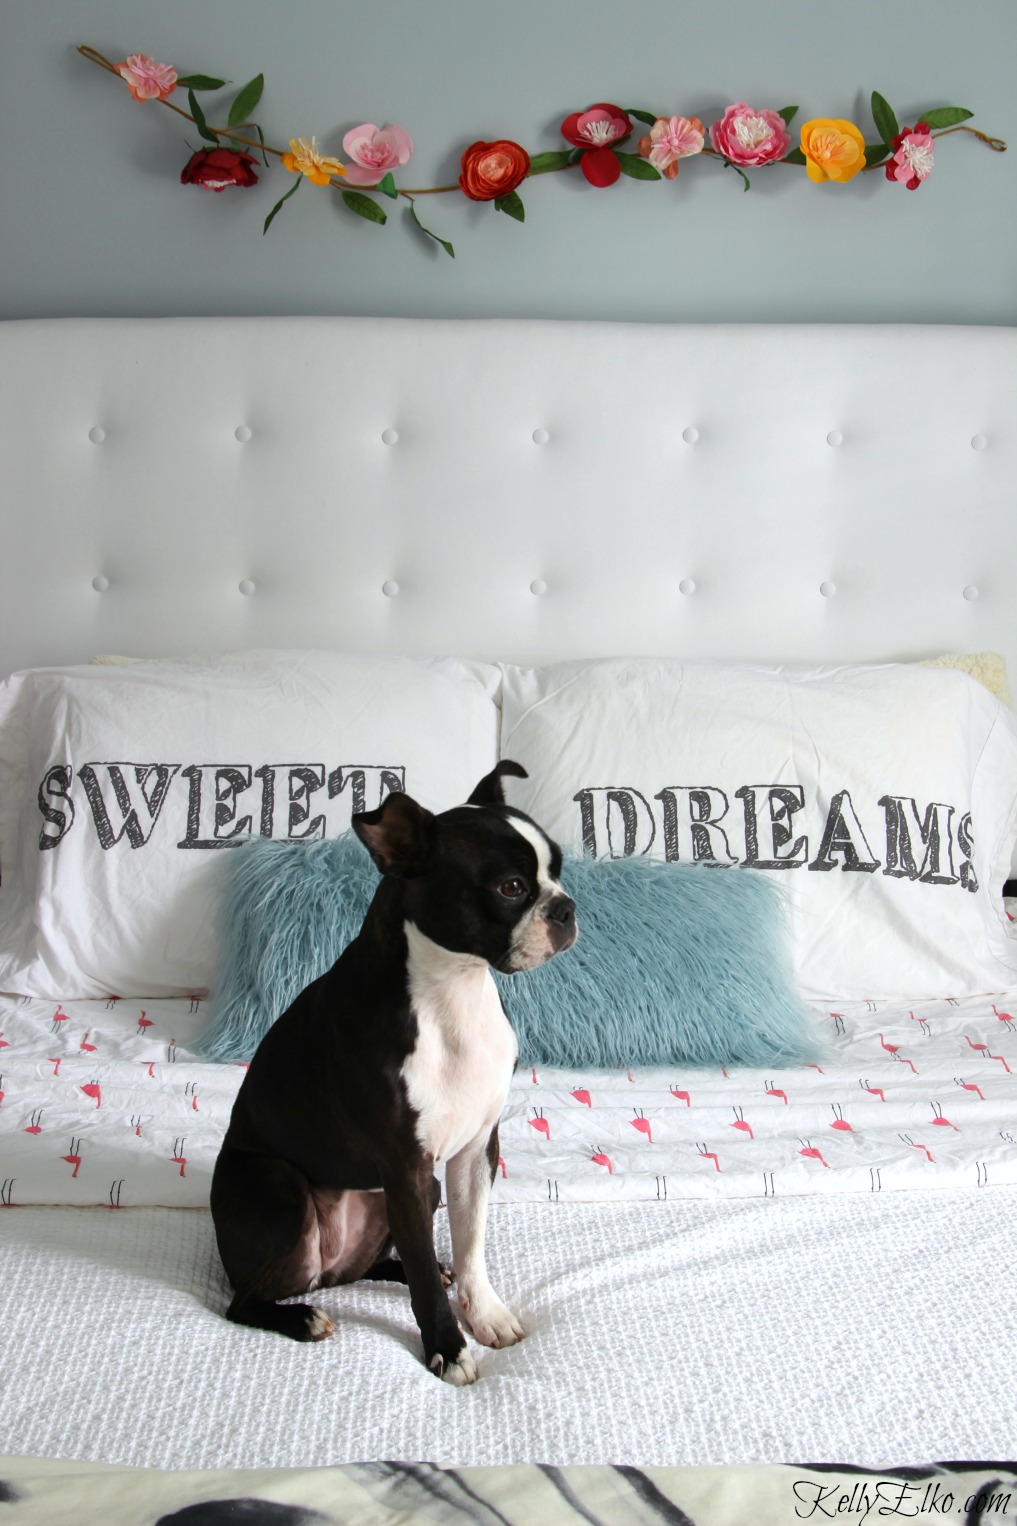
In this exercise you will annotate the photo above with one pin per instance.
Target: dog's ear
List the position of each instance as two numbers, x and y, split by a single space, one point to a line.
397 835
489 790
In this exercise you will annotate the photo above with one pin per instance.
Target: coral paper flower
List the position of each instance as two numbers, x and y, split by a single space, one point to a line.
147 80
747 137
375 151
833 149
672 139
305 159
913 160
217 169
491 170
594 130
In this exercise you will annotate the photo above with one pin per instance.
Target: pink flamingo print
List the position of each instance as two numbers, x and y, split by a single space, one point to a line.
144 1022
984 1049
811 1153
4 1043
85 1046
840 1121
708 1154
642 1123
924 1148
191 1090
59 1016
501 1167
740 1123
74 1158
91 1089
943 1122
1004 1017
178 1158
534 1078
583 1096
874 1091
600 1159
969 1086
774 1091
894 1051
540 1123
151 1067
35 1127
54 1060
1 1089
681 1096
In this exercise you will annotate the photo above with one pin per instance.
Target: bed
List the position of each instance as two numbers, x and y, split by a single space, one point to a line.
732 1279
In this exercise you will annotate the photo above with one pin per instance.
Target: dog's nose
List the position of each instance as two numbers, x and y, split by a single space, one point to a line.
563 910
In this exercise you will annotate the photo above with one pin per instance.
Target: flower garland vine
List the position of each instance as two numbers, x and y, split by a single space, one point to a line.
743 139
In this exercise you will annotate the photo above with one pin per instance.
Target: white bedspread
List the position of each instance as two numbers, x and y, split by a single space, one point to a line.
103 1103
855 1329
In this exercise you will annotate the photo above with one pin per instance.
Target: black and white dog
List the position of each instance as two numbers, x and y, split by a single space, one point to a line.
396 1060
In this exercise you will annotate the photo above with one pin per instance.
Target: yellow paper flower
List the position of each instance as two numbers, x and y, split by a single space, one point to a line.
304 159
833 149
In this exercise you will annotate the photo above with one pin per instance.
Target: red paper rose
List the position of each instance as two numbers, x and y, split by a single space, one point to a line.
218 168
593 130
491 170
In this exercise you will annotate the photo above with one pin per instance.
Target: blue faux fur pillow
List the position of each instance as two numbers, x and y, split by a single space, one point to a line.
673 965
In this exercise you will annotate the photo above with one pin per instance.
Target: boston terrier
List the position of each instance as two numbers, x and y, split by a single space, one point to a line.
396 1060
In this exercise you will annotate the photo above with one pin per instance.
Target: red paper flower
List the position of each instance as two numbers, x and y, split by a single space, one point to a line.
912 159
218 168
491 170
594 130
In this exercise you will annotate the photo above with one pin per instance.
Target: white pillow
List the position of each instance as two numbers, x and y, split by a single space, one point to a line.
883 798
120 785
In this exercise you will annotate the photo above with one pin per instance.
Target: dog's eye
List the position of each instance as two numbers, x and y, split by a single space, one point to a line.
512 889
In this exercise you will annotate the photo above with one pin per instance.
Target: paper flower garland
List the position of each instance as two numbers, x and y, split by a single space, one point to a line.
744 138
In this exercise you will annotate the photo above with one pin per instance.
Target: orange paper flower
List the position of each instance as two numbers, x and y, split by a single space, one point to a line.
833 149
304 159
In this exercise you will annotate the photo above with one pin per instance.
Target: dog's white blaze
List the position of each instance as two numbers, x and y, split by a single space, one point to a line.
532 944
457 1076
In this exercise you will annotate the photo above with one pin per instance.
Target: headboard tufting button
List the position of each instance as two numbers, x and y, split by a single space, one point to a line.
246 586
390 436
538 587
690 435
100 584
243 433
828 589
540 436
390 588
972 592
835 437
687 585
978 442
97 434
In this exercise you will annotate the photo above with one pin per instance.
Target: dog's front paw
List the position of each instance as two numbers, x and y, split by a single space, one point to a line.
459 1368
490 1321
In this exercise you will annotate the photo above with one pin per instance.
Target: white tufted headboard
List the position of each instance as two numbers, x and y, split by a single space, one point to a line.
506 489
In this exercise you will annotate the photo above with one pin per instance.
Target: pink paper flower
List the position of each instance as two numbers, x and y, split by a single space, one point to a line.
913 161
672 139
375 151
747 137
147 80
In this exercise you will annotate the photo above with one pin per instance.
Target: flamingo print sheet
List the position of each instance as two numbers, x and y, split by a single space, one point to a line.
103 1103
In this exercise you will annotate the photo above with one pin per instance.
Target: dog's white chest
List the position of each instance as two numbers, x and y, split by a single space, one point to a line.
458 1074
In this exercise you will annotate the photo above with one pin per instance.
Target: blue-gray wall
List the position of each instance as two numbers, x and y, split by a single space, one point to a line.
93 219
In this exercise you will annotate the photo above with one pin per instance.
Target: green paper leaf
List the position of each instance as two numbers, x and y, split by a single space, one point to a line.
261 135
556 160
638 169
729 166
364 207
882 114
788 113
512 205
199 119
293 188
200 82
875 153
387 186
794 157
944 116
640 116
246 101
442 241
